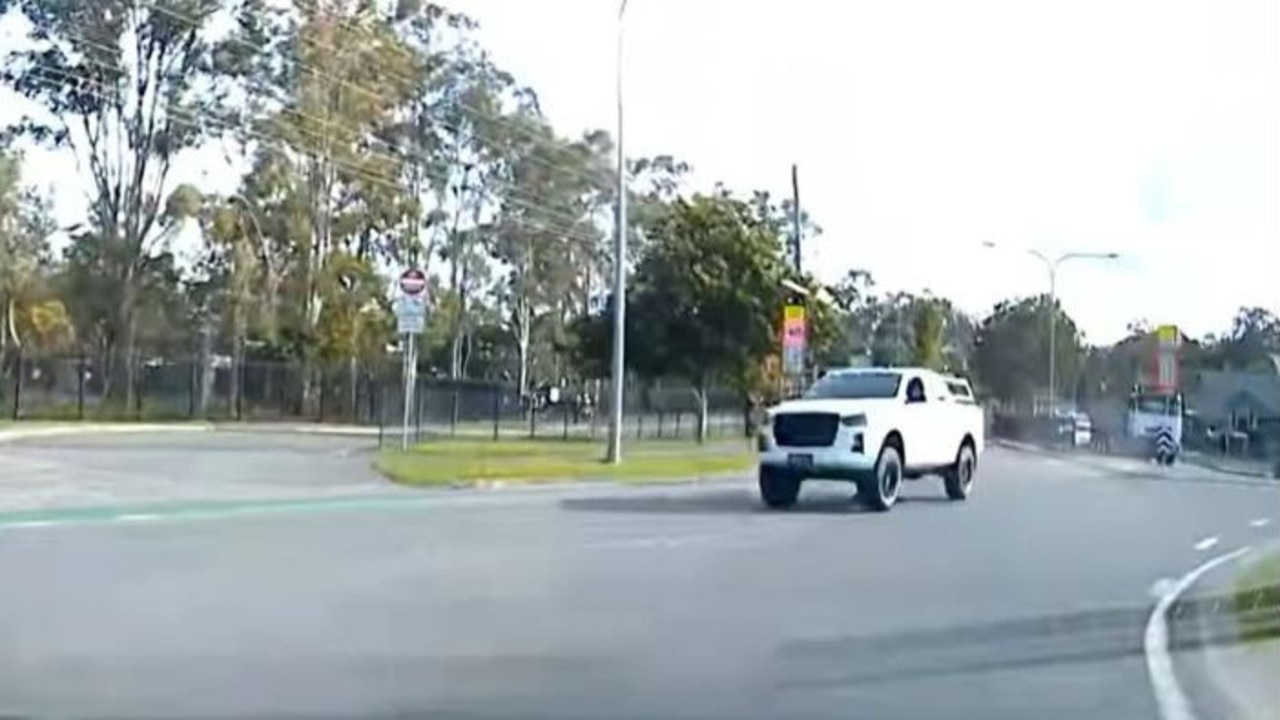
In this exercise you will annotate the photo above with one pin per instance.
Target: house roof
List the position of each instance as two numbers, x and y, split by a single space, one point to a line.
1218 392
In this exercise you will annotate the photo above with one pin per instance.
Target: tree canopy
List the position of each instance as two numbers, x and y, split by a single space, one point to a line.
363 138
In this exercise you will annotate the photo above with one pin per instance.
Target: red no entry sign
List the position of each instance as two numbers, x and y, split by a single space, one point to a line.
413 282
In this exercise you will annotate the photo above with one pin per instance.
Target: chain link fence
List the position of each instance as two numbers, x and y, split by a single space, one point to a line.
364 394
462 408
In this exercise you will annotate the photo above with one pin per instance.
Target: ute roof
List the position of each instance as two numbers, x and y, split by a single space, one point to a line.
876 370
892 369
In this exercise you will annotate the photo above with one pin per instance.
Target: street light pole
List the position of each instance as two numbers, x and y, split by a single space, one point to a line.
619 271
237 380
1051 265
257 229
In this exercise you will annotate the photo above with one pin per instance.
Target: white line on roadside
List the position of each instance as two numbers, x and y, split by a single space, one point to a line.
1260 522
659 541
1170 699
137 517
1207 543
29 524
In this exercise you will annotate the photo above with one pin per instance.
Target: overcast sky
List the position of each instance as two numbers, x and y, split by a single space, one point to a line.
1150 128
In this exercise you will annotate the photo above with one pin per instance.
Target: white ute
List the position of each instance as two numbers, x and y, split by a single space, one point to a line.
874 427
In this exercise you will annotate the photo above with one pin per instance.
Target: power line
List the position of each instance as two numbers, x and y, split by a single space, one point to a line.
393 159
190 120
193 22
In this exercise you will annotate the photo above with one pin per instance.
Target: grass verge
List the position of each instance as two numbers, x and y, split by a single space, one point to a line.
467 461
1256 601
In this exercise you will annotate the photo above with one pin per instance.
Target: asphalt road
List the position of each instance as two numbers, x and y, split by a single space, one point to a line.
1029 600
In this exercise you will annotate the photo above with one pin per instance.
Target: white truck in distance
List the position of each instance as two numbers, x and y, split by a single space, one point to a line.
874 427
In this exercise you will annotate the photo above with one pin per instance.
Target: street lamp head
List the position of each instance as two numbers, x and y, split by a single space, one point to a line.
988 244
795 287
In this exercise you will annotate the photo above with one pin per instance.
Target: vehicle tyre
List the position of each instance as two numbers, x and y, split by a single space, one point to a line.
880 491
958 479
778 490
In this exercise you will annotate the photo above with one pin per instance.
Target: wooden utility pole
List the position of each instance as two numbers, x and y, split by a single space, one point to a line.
795 216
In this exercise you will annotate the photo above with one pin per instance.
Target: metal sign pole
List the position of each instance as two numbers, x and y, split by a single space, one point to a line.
410 367
410 310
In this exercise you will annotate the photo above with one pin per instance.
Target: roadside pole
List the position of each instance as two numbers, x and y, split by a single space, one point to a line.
796 234
1275 448
411 316
410 374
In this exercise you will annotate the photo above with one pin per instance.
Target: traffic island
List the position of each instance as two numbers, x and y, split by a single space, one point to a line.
475 462
1231 643
1256 600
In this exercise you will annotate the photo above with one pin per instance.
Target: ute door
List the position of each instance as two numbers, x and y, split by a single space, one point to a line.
945 418
917 425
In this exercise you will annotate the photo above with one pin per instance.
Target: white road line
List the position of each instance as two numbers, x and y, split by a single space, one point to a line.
659 541
1207 543
137 517
1162 587
1170 699
29 524
1260 522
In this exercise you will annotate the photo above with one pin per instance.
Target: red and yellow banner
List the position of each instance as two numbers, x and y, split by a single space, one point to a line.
1165 359
794 329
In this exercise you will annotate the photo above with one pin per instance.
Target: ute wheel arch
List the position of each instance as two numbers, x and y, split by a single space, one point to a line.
893 439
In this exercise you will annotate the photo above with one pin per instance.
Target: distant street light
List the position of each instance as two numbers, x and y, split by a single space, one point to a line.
1051 264
796 288
257 229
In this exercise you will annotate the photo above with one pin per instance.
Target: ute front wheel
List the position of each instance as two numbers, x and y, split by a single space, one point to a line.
778 490
880 491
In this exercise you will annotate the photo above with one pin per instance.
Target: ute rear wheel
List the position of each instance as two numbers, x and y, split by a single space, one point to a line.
778 489
958 479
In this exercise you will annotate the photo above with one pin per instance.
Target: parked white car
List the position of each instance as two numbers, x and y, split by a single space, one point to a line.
874 427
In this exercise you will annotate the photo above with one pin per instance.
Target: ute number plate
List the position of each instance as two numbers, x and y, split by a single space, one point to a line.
800 460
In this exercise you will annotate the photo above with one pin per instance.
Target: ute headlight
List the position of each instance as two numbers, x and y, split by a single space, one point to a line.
858 420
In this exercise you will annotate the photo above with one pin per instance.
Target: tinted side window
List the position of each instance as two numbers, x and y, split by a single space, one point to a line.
960 391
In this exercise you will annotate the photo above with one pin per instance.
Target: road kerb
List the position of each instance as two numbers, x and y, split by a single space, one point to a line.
26 433
77 428
300 428
1137 467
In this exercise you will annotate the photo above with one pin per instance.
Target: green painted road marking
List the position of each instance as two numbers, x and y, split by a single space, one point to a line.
203 510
